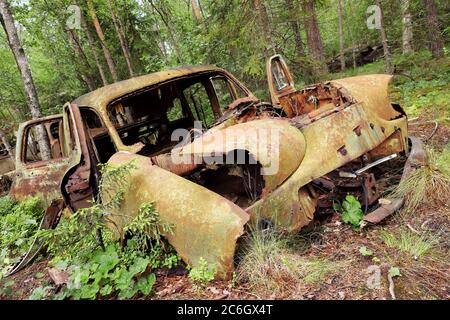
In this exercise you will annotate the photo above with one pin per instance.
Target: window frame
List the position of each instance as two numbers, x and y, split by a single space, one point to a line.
108 104
24 145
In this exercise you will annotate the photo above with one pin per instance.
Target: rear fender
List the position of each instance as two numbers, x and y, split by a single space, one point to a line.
204 224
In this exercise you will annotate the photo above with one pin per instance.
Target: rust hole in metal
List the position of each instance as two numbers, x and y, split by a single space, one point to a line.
342 150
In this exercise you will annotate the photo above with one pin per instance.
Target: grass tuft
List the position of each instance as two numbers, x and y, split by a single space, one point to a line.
417 245
261 262
271 263
427 185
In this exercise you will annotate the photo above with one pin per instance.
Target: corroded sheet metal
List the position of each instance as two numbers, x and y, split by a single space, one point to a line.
39 182
274 143
371 90
331 142
42 178
204 223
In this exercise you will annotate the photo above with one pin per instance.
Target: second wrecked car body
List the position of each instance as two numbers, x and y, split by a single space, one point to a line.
303 135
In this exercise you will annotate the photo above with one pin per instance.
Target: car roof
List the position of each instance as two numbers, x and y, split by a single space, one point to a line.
100 97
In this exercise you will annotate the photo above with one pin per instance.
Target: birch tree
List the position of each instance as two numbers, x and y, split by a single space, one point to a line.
7 21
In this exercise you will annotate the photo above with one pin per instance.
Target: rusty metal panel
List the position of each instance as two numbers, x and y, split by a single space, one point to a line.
371 90
204 223
332 141
287 149
41 178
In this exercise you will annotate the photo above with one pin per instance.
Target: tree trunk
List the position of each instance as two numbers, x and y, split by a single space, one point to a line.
313 38
101 36
79 52
384 41
122 32
351 17
295 28
436 43
122 39
7 22
407 37
341 35
265 26
196 12
162 12
94 50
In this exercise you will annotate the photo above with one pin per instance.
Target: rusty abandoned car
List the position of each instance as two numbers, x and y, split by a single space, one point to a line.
327 132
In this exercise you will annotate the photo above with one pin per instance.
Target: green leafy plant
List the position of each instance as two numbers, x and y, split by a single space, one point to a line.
7 205
202 274
18 224
84 247
125 271
351 211
107 272
147 226
40 293
394 272
5 289
365 252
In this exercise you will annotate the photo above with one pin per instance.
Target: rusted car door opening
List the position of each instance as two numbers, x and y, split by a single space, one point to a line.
66 173
38 176
79 182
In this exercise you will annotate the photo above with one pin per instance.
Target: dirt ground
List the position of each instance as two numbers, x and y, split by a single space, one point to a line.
423 277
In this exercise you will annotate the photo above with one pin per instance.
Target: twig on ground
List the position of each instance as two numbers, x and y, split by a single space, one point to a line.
391 287
412 229
436 125
422 123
